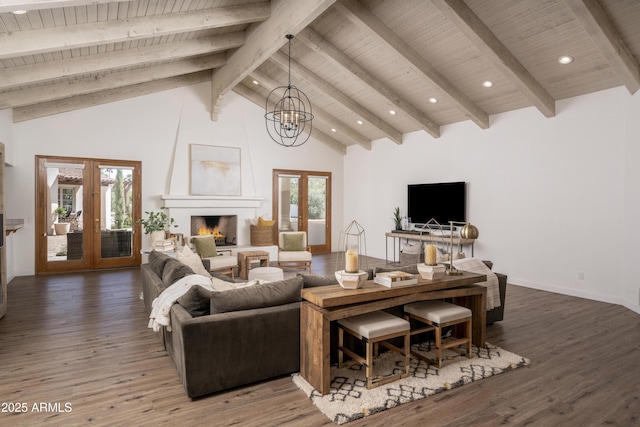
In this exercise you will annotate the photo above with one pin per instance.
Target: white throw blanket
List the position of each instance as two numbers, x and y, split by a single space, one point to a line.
475 265
161 306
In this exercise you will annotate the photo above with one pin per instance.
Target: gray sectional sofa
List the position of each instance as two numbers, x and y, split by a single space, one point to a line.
221 340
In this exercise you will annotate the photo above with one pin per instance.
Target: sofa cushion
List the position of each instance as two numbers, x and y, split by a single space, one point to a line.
157 261
311 280
173 271
196 301
413 269
192 260
261 295
293 242
205 246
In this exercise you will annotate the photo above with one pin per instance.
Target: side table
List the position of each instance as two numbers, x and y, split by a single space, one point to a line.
245 259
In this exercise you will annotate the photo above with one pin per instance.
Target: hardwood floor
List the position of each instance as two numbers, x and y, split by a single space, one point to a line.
79 344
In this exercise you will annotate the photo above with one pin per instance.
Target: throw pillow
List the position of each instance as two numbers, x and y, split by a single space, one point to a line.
192 260
157 261
261 295
196 301
173 271
293 242
206 246
268 223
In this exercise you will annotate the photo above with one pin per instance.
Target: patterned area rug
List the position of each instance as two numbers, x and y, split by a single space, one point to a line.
350 400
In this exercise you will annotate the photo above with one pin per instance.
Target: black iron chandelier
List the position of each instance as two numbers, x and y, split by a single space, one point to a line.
288 113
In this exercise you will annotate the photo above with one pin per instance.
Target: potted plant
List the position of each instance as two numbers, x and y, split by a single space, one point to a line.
397 219
61 228
157 225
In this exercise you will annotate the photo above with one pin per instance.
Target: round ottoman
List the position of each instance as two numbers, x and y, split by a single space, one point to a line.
268 274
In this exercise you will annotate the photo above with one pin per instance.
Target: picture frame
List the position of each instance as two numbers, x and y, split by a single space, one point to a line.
215 170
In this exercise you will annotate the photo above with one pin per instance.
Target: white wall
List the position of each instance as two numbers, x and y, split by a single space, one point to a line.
549 196
157 130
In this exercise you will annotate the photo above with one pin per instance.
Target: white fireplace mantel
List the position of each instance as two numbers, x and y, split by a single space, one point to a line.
185 201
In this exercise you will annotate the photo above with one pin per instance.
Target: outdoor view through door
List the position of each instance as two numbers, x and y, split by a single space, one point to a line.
85 214
301 202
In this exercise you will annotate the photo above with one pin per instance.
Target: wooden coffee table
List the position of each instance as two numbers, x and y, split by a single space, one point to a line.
324 304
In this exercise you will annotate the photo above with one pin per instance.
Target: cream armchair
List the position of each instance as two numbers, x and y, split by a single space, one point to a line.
293 251
220 260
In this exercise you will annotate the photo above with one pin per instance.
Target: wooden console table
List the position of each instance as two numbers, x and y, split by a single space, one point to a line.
322 305
421 238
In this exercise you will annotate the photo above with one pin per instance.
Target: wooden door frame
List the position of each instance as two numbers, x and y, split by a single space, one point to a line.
90 241
303 194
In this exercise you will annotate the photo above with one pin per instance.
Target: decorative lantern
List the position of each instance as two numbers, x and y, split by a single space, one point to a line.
353 249
430 269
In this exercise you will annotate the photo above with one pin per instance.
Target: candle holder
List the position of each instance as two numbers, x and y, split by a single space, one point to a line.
353 246
430 269
468 231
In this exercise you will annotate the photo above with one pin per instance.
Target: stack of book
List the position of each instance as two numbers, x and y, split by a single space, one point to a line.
391 279
165 245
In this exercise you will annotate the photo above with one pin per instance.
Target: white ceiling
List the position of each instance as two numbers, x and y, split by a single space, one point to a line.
355 60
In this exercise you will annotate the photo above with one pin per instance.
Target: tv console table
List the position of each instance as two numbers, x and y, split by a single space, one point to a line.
397 235
325 304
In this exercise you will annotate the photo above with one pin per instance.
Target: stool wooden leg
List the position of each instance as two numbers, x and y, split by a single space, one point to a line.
469 332
407 353
340 345
369 364
438 347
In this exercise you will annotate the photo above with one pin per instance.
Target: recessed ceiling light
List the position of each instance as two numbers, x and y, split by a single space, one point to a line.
255 82
392 112
433 100
333 130
19 12
487 83
360 122
565 59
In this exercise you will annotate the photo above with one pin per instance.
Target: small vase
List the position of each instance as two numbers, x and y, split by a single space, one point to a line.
155 236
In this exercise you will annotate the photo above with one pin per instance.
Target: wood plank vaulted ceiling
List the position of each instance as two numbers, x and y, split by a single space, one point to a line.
355 59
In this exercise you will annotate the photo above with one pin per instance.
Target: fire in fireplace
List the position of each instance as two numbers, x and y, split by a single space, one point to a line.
223 227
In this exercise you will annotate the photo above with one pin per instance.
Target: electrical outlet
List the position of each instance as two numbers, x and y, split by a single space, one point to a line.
580 275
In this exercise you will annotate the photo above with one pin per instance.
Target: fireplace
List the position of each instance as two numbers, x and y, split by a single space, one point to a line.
223 227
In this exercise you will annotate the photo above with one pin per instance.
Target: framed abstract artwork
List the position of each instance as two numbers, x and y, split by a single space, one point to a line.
215 171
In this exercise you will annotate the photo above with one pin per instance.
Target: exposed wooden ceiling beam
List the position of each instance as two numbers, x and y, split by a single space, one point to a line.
364 19
59 38
72 103
476 31
318 113
287 17
11 5
260 101
43 71
322 46
37 94
596 22
330 91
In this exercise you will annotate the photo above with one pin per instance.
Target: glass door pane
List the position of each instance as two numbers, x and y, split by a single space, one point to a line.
64 200
317 210
116 204
288 191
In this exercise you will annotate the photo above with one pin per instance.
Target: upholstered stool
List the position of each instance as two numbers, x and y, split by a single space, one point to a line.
374 328
268 274
437 315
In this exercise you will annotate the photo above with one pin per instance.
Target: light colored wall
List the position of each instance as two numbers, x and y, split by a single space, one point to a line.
157 130
549 196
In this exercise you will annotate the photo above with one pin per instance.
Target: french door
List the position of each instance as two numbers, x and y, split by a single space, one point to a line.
302 202
85 214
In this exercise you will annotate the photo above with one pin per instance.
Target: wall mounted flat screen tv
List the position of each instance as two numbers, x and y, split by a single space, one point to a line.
445 201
